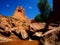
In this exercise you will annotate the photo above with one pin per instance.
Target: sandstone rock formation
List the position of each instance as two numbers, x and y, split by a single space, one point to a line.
17 22
19 14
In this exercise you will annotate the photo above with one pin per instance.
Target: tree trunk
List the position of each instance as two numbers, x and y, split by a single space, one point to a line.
55 16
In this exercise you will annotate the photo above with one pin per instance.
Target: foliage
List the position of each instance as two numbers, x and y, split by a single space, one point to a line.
38 18
13 18
9 21
7 16
44 8
23 24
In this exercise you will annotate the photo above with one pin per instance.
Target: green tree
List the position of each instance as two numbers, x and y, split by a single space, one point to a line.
38 18
44 8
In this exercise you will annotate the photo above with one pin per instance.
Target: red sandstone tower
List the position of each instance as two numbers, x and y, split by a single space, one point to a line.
19 14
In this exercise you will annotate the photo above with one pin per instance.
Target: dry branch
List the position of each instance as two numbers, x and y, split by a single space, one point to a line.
50 31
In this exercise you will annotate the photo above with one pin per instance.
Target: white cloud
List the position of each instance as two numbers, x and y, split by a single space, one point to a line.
30 7
7 5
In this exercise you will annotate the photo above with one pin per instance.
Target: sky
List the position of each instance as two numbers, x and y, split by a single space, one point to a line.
7 7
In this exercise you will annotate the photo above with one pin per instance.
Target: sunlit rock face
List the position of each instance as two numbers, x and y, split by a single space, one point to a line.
4 23
19 14
23 21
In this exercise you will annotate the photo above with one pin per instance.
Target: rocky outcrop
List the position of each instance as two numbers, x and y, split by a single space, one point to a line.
18 22
19 14
37 26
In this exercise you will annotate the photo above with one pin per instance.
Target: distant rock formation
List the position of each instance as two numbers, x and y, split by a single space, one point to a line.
19 14
17 21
